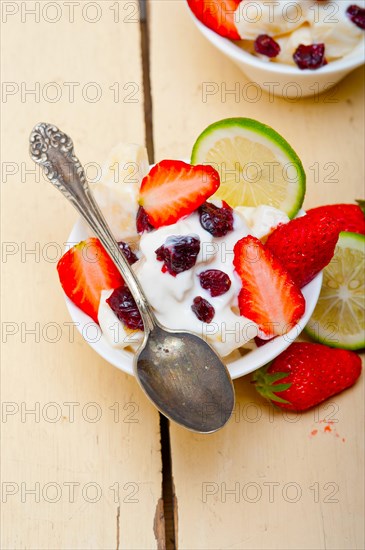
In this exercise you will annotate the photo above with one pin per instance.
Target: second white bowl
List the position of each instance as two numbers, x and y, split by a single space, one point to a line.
280 79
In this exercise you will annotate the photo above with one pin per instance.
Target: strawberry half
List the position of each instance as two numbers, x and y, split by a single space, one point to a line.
306 374
217 15
350 217
268 296
84 271
305 245
174 189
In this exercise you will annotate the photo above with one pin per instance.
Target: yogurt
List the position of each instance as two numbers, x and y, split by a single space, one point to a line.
171 297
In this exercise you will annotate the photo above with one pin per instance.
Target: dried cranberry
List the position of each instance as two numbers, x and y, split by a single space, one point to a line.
179 253
203 309
260 342
142 221
357 15
216 281
266 45
128 253
310 57
125 308
217 221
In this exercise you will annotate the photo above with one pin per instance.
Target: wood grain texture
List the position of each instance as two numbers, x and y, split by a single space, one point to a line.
267 480
91 451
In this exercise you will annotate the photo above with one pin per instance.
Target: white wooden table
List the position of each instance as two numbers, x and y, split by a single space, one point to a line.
81 456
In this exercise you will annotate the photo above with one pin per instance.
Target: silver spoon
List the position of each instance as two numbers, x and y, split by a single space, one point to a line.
180 372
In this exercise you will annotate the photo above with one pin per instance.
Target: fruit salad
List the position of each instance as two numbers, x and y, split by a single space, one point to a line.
230 274
305 33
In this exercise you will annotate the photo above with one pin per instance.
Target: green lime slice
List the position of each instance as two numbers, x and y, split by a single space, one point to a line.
339 316
256 165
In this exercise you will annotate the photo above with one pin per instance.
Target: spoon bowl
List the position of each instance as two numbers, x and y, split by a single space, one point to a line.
280 79
195 394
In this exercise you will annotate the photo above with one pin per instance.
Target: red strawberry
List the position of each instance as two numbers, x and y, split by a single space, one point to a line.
84 271
174 189
350 217
307 374
268 297
305 245
218 15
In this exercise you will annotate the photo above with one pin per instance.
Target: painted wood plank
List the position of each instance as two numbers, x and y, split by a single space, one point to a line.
91 449
268 480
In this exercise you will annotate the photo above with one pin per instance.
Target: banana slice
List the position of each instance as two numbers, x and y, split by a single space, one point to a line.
289 43
114 331
127 163
331 26
262 220
269 17
117 190
301 22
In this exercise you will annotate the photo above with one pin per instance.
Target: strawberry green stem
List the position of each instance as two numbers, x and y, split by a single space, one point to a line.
265 384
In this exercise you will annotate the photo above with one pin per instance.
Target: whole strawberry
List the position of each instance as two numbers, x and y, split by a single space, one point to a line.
350 217
305 245
307 374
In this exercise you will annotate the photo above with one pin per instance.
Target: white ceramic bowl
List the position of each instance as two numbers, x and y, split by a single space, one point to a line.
249 362
280 79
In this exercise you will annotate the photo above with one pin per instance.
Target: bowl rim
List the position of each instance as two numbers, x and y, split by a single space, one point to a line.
347 63
241 366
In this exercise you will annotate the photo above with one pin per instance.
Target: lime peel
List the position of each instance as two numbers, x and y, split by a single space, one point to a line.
256 164
339 317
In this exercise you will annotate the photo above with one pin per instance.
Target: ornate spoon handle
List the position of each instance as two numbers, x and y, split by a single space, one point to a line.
54 151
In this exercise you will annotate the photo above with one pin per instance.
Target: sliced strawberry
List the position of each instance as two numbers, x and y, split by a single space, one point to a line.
269 297
174 189
84 271
218 15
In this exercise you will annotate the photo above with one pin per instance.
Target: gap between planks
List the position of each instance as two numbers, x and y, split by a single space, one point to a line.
169 519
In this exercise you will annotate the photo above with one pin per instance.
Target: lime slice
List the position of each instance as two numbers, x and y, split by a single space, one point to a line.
256 165
339 317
